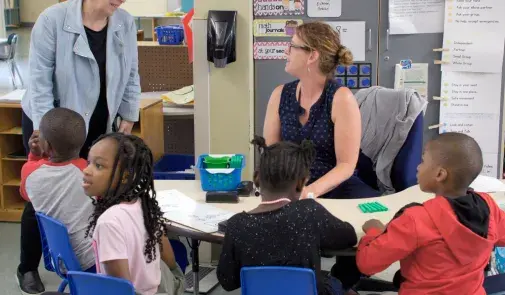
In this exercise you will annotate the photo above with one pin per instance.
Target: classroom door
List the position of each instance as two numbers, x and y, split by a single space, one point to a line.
418 48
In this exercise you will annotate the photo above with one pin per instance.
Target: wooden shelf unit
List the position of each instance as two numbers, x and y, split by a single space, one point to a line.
149 127
11 140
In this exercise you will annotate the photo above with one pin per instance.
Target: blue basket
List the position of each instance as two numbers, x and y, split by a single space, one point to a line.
170 35
214 180
169 167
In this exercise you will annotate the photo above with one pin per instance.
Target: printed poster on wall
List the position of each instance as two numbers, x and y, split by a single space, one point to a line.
275 27
410 16
270 50
278 7
352 36
324 8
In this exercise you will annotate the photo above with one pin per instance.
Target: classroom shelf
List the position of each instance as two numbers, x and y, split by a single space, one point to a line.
11 141
15 159
13 182
13 131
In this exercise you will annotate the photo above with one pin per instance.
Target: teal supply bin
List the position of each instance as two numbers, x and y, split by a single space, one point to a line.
227 179
187 5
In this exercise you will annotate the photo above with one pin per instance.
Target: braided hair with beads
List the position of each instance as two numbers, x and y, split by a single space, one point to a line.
134 166
282 164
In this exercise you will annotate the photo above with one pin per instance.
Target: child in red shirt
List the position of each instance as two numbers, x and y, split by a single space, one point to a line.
444 244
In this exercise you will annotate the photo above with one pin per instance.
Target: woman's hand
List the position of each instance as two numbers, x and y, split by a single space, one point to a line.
308 192
126 127
373 223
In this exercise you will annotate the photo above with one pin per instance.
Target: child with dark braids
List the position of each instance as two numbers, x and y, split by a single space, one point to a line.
127 225
283 230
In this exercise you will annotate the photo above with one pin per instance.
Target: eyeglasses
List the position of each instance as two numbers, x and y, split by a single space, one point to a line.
302 47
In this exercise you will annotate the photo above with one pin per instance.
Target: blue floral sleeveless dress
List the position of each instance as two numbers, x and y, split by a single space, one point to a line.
319 129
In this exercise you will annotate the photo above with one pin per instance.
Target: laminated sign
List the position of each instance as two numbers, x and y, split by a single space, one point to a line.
275 27
270 50
278 7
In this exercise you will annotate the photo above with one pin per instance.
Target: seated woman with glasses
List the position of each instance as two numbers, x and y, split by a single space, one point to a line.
316 108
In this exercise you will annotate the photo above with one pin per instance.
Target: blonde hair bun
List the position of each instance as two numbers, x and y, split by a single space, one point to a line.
345 57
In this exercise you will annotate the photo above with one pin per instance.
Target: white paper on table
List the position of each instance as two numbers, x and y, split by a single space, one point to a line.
14 96
470 92
181 209
324 8
487 184
484 128
416 17
478 52
473 16
352 36
491 165
414 78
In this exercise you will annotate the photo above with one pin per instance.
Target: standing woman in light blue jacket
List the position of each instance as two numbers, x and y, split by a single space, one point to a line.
83 56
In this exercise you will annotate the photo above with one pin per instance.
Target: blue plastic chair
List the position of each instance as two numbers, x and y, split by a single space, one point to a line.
83 283
403 173
48 263
495 284
181 254
273 280
60 249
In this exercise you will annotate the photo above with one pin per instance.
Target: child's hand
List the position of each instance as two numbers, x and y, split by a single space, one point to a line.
34 145
373 223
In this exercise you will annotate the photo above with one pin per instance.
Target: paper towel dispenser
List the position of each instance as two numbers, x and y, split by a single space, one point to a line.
221 37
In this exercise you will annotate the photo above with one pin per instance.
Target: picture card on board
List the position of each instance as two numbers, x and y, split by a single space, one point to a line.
490 167
352 36
278 7
270 50
324 8
483 127
474 16
479 52
470 92
275 27
410 16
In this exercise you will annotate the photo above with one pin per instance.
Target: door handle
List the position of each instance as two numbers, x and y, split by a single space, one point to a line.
369 39
387 39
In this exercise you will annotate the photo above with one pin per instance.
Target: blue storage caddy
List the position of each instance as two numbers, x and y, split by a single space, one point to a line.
220 179
170 35
168 167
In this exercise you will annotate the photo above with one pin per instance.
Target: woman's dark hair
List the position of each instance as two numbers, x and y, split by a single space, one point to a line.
134 165
283 164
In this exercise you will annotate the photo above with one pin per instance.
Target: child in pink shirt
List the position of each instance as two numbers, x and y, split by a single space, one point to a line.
129 235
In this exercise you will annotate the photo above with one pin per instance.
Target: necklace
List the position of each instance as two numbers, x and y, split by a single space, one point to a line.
275 201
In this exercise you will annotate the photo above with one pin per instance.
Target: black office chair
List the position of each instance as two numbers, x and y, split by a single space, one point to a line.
8 55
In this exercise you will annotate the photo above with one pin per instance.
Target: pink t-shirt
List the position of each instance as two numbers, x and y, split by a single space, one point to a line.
120 234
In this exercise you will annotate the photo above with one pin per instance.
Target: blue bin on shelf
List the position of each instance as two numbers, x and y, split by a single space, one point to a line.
219 179
169 167
170 35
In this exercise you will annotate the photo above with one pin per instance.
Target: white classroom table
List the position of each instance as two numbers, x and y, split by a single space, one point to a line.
346 210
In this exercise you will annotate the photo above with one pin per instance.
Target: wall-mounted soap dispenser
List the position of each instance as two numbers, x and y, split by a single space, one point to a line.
221 37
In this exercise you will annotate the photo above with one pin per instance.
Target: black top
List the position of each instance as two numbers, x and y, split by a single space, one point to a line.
293 235
98 45
319 128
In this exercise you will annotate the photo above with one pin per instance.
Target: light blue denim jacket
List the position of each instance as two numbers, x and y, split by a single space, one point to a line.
63 68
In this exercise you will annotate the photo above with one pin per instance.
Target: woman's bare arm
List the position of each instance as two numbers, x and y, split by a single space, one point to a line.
346 116
272 125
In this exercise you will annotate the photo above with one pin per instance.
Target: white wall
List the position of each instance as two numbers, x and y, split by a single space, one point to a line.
3 33
150 7
30 9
